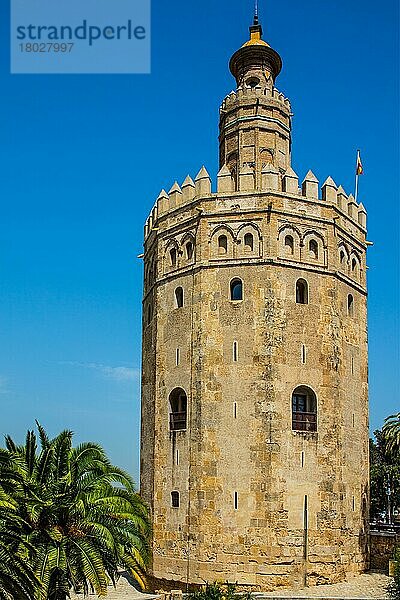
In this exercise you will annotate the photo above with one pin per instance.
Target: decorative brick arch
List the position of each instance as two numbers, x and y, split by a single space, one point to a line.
314 247
171 256
248 246
218 248
289 241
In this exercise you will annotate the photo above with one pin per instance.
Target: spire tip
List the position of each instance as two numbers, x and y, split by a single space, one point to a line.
255 12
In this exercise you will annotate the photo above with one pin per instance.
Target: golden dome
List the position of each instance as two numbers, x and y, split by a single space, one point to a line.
255 39
255 54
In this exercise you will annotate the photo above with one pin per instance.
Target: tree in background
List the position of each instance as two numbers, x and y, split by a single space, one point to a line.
391 433
384 477
394 586
81 516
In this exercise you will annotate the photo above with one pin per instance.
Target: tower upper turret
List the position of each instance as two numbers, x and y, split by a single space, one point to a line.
255 64
255 121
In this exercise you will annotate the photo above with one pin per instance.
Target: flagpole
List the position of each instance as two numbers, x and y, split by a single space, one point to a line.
356 190
358 163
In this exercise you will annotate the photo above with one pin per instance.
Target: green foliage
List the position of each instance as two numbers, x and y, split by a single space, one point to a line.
219 591
17 579
80 515
391 433
394 587
384 474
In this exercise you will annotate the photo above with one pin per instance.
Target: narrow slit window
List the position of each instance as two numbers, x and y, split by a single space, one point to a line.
177 457
354 420
235 351
350 305
352 365
305 527
175 499
235 500
222 244
289 244
303 354
236 289
178 356
249 242
172 257
302 459
179 297
234 179
189 250
313 249
301 291
353 502
235 410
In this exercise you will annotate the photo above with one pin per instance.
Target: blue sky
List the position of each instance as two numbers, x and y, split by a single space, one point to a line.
82 159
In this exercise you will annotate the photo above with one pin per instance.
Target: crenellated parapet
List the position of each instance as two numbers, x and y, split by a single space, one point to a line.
177 197
273 184
247 93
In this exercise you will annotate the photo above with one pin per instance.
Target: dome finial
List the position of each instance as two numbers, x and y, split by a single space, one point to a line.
255 62
255 12
256 29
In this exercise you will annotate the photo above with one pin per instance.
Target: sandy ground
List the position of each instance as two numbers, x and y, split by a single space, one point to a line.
368 585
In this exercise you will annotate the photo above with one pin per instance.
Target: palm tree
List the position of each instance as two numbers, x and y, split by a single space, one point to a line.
391 433
17 579
83 517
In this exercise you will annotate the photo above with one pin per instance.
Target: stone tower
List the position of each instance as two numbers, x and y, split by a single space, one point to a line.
254 447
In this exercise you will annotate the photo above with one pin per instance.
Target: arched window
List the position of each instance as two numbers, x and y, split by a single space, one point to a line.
304 409
301 291
179 297
236 289
252 82
172 257
342 257
175 499
354 265
249 242
222 244
313 249
289 244
178 409
189 250
350 305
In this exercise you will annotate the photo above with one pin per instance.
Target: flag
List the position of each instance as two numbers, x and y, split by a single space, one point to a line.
359 168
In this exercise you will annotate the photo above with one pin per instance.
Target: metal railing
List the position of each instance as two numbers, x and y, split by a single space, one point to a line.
177 421
304 421
384 527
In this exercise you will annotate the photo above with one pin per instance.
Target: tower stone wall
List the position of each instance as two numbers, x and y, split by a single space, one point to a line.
254 447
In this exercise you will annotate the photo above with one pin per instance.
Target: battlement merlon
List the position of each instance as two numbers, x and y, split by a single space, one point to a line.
308 197
272 98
